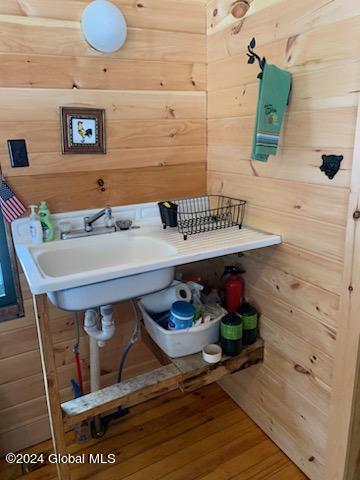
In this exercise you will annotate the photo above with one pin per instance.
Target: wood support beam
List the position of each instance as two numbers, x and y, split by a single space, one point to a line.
143 387
51 383
187 373
197 373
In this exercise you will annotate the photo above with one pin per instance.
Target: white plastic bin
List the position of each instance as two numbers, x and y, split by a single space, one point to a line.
178 343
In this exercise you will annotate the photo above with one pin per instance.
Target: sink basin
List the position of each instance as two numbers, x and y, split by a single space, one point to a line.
82 257
77 257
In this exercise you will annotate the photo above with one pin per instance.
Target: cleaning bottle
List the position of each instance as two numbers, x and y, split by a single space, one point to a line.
36 232
48 227
196 290
234 289
213 298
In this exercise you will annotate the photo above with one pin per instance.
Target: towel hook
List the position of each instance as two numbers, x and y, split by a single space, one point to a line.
253 56
331 165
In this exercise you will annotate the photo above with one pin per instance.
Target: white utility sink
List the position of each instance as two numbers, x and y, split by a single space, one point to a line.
89 254
82 255
112 291
87 272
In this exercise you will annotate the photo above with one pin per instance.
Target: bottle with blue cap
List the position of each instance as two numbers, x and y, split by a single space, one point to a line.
181 316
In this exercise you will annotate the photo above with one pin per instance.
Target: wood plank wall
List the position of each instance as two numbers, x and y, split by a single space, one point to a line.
154 93
297 285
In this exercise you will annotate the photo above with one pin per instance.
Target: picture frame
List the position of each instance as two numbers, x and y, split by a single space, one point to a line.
82 130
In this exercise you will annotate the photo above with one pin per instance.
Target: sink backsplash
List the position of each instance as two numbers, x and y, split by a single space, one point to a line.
143 211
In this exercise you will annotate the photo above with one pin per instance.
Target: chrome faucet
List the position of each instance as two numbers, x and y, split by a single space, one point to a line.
111 226
105 212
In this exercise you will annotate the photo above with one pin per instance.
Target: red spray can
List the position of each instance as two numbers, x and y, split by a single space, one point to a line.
234 288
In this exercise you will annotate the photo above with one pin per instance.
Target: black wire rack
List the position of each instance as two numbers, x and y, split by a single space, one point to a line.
208 213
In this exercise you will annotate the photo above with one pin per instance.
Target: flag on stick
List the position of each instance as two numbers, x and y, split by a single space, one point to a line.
11 206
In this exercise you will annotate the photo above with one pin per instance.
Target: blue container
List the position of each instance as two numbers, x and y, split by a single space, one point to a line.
181 316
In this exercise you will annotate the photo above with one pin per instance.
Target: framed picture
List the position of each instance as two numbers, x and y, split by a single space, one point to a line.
83 130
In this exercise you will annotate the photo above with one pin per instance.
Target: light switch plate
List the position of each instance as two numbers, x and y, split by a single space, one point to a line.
18 153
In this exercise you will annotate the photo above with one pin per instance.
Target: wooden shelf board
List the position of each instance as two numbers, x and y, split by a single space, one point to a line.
187 373
130 391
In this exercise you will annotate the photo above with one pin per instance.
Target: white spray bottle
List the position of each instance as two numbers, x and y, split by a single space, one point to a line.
36 232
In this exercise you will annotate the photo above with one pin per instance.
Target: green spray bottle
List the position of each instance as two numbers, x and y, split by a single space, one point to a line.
47 226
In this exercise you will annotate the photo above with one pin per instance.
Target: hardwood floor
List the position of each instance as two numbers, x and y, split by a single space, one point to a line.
202 435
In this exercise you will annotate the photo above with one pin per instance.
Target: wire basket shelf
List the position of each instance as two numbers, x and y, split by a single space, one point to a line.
208 213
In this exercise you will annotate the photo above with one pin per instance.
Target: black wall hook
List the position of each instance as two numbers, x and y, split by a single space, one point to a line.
253 56
331 165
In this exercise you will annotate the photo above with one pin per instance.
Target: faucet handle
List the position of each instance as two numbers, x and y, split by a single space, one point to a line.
109 219
87 226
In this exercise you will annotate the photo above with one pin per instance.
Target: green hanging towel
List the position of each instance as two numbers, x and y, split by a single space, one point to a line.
274 92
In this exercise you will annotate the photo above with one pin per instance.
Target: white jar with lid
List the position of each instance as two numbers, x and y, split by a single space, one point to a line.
181 316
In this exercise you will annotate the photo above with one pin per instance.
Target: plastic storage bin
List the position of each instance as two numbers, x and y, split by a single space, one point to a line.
178 343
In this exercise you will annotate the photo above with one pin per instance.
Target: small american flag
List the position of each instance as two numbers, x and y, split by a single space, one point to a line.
10 205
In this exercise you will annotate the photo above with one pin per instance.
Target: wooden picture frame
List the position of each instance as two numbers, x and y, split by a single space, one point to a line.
82 130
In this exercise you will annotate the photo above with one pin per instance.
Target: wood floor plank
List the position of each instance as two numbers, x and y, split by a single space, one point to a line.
201 435
287 473
217 451
139 455
245 461
217 433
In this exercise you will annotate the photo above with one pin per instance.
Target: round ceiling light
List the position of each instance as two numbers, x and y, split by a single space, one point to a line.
104 26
